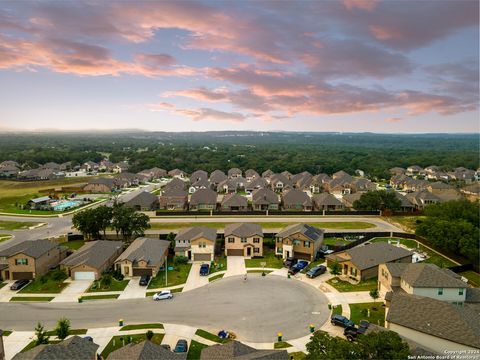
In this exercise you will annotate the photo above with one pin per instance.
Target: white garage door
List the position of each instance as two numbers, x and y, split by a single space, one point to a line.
84 275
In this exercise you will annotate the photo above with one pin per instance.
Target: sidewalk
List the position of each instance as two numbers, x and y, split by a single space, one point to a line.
16 341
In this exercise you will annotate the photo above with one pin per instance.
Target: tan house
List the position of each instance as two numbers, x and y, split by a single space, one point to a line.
243 239
144 256
101 185
174 199
93 258
30 259
300 241
197 243
361 262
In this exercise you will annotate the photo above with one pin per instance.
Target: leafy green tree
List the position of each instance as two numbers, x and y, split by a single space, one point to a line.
335 268
324 346
171 238
149 335
41 334
104 216
127 222
377 200
374 294
63 328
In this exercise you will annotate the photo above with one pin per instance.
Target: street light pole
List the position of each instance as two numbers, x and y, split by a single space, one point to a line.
166 271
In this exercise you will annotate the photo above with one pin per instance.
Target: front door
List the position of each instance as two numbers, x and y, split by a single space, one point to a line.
287 253
345 269
249 251
189 255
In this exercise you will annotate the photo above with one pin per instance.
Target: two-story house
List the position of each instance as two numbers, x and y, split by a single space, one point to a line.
243 239
197 243
300 241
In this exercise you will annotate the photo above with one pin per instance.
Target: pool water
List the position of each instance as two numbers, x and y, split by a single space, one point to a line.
66 205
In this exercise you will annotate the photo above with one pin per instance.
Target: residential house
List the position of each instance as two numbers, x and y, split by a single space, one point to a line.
101 185
145 350
349 199
38 174
40 203
296 200
361 262
251 175
278 182
177 173
203 199
197 243
316 183
89 166
216 177
9 163
236 350
105 165
420 199
198 175
413 170
436 325
30 259
144 256
300 241
265 199
342 174
234 202
9 171
405 205
444 191
471 192
422 279
243 239
267 174
287 174
256 183
340 185
175 183
199 184
397 171
129 179
120 167
231 185
234 172
153 173
92 259
141 201
327 202
174 199
299 180
359 185
464 175
73 348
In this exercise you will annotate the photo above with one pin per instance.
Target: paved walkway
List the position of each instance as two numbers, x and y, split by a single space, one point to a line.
194 279
133 290
235 266
16 341
73 291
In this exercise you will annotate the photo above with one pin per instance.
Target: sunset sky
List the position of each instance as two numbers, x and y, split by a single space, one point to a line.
352 65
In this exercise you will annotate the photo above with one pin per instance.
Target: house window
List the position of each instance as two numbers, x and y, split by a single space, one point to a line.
231 240
243 240
256 250
21 261
440 291
279 250
460 291
256 240
306 244
279 240
296 242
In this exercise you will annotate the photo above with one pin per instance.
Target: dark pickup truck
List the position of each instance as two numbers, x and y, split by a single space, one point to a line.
352 332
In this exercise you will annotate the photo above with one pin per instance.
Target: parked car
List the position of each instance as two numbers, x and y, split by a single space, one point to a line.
352 332
17 285
204 269
163 295
339 320
144 280
181 347
316 271
302 264
290 262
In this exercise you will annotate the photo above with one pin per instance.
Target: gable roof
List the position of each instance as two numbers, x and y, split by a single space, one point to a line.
236 350
234 200
234 171
309 231
74 348
32 248
294 197
93 253
143 198
198 175
195 232
147 249
204 196
217 176
264 196
326 199
430 275
243 229
145 350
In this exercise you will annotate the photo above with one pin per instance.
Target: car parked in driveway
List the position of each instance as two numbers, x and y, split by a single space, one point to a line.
352 332
181 347
289 262
204 269
17 285
144 280
163 295
316 271
302 264
339 320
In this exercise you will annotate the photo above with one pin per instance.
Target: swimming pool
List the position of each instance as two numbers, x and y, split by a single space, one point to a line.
61 206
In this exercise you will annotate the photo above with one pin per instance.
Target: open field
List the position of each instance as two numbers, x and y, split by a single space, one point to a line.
408 223
265 225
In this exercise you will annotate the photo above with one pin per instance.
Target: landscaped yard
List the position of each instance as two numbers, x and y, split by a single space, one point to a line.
220 264
281 345
207 335
114 285
337 310
334 241
360 312
195 350
51 282
472 276
119 341
31 298
16 225
216 277
177 276
99 297
268 257
142 326
269 225
345 286
74 244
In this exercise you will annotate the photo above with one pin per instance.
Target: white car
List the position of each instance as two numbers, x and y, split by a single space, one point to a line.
165 294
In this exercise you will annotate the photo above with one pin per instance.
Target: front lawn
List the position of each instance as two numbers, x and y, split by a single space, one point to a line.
360 312
99 297
337 310
74 244
51 282
114 285
195 350
219 264
345 286
70 332
334 241
119 341
268 257
6 333
142 326
281 345
216 277
177 276
209 336
32 298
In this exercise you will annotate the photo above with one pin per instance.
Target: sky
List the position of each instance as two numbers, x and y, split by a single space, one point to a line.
352 65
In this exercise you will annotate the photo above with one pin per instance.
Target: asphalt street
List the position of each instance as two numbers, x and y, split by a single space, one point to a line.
256 309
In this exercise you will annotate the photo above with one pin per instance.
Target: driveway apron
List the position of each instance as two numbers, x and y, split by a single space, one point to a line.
194 279
235 266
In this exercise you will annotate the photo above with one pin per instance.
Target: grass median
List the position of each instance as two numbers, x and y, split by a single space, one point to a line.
32 298
16 225
142 326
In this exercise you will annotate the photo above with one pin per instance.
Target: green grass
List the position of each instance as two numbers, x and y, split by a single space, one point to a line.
472 276
220 263
345 286
71 332
359 312
115 285
74 244
5 237
16 225
298 355
209 336
6 332
32 298
410 243
268 225
157 339
99 297
409 223
281 345
268 257
259 271
46 284
334 241
216 277
151 293
177 276
337 310
142 326
195 350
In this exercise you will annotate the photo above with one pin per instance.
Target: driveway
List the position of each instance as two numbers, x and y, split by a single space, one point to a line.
235 266
194 279
73 291
133 290
255 310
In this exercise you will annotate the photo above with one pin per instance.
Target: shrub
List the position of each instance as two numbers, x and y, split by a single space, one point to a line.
58 275
107 280
149 335
43 279
178 260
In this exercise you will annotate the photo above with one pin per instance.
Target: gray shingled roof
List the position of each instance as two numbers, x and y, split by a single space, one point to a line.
396 269
264 196
236 350
174 192
295 197
243 229
367 256
204 196
33 248
309 231
217 176
93 253
142 198
147 249
234 172
430 275
175 183
146 350
74 348
326 199
460 324
234 200
196 232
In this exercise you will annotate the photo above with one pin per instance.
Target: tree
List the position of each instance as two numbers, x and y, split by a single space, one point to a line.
374 294
149 335
128 222
324 346
377 200
171 238
63 328
104 216
335 268
41 334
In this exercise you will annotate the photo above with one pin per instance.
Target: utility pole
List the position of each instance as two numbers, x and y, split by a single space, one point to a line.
166 271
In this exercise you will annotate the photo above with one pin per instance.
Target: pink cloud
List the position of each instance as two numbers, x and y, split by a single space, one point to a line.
393 119
199 113
360 4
